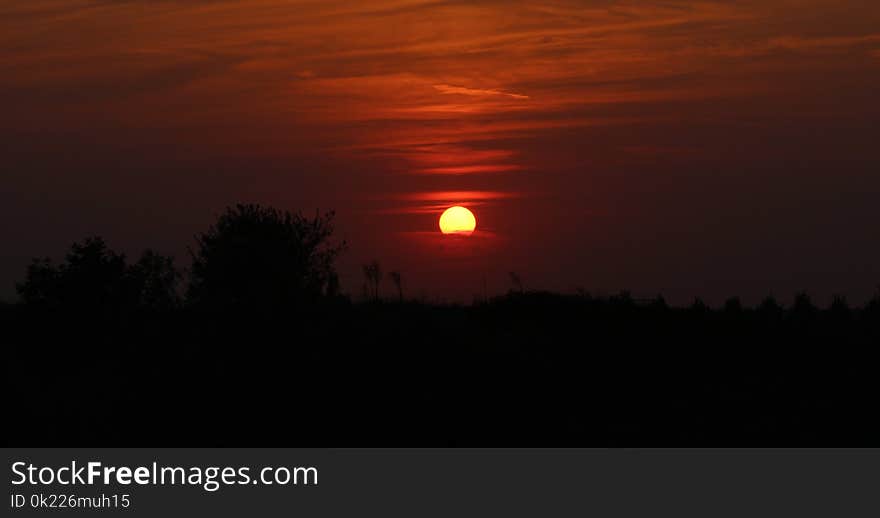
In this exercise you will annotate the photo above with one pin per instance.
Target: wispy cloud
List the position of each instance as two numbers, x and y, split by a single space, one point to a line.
478 92
447 196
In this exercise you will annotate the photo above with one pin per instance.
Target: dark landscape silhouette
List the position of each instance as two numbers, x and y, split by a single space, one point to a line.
255 344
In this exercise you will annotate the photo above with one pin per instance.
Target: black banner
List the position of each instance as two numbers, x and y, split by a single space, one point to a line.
443 483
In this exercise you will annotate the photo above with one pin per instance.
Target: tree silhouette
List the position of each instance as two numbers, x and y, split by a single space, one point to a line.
91 275
156 281
659 303
699 306
373 276
625 298
733 306
41 285
398 283
516 282
803 306
257 257
873 306
770 308
840 308
94 276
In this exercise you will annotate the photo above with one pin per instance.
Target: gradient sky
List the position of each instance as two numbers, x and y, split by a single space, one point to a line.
689 148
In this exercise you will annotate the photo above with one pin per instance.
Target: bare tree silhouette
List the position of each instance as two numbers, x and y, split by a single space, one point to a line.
373 276
398 283
516 282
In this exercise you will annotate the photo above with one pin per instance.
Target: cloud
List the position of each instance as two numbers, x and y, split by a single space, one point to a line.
798 43
788 43
477 92
447 196
469 169
435 202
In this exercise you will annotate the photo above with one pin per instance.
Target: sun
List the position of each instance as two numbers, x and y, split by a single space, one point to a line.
458 221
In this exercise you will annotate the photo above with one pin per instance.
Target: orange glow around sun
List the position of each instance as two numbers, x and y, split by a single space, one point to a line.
458 221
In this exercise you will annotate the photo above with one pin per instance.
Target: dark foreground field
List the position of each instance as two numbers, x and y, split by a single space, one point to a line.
521 370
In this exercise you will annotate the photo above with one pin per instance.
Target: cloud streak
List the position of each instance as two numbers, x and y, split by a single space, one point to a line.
477 92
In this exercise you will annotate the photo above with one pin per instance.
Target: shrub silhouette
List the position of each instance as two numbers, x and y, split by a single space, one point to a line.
803 307
699 307
733 305
262 258
770 308
659 303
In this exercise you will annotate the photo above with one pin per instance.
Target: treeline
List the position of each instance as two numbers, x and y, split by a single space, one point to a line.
253 258
259 348
258 258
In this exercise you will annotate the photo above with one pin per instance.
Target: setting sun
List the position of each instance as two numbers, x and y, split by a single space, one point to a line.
458 220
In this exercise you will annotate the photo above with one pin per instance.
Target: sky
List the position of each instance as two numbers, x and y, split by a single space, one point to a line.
678 147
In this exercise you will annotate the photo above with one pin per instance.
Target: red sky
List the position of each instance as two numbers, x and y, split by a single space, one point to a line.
689 148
